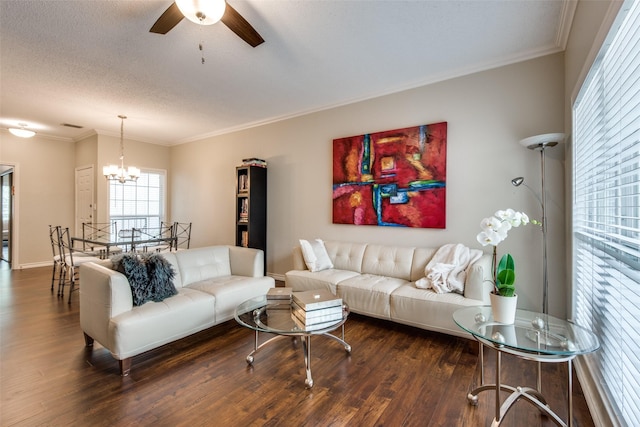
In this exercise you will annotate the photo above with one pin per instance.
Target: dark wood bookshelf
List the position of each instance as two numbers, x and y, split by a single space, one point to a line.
251 208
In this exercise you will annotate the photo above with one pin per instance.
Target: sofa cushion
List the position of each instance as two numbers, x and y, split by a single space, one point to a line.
346 256
390 261
203 263
426 309
156 323
421 257
315 255
230 291
369 294
304 280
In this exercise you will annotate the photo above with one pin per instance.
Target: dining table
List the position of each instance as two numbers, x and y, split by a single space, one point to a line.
129 240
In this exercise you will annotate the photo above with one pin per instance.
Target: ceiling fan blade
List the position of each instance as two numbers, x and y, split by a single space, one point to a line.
169 19
241 27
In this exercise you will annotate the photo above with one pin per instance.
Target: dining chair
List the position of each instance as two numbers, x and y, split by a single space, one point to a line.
58 260
99 231
181 235
162 234
73 258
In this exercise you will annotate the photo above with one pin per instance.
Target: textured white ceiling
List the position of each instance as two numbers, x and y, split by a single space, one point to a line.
84 62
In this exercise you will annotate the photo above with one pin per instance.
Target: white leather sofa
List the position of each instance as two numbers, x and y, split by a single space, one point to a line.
379 281
211 282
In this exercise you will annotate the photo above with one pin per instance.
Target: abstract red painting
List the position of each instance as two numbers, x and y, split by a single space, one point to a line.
391 178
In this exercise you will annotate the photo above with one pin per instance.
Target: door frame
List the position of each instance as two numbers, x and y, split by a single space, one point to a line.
14 234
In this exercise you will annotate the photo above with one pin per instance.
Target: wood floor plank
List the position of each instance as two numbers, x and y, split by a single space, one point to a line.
395 375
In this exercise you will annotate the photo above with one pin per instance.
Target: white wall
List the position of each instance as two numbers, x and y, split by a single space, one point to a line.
44 193
487 114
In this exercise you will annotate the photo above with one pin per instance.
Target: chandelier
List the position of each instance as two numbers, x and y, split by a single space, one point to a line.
119 173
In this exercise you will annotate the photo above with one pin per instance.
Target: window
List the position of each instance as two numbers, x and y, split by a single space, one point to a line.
138 204
606 214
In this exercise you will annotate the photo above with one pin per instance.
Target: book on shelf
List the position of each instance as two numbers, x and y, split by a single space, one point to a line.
254 162
316 299
244 207
312 327
244 239
323 315
243 183
279 294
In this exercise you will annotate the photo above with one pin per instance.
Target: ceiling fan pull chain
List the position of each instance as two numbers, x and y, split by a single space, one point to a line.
200 46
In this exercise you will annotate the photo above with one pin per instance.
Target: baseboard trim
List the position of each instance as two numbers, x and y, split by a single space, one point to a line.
35 265
599 406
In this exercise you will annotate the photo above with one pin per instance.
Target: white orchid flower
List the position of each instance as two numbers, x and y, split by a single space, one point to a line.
516 219
491 223
503 229
488 237
496 228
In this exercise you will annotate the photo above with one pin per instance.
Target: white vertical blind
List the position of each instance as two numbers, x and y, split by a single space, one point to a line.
606 214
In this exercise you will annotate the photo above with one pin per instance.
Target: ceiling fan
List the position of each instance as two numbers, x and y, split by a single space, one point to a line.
207 12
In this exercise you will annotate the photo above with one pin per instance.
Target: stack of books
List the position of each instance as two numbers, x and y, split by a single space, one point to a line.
254 162
279 295
318 309
278 308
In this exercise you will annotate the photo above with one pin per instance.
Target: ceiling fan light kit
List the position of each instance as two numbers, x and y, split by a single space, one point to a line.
203 12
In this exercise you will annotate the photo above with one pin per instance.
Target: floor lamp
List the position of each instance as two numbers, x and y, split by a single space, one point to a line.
541 142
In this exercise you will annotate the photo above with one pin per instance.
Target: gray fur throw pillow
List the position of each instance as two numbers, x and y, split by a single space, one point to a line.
150 276
161 276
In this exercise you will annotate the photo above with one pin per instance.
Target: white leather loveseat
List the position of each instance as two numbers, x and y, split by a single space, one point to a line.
210 283
380 281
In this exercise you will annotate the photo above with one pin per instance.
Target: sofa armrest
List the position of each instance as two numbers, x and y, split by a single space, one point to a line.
479 283
247 262
104 293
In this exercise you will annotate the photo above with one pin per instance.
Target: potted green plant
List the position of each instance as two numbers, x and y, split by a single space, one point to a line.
495 229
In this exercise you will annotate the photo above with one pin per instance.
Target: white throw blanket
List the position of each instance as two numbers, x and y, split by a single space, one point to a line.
447 270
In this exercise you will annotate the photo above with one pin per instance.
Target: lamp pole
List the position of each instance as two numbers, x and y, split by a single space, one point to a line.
545 278
541 142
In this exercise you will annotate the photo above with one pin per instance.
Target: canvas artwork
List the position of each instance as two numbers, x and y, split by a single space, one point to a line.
391 178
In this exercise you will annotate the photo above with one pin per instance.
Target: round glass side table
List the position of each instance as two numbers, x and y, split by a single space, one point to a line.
533 336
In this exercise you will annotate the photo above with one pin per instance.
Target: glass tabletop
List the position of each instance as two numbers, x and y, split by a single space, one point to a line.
531 332
275 316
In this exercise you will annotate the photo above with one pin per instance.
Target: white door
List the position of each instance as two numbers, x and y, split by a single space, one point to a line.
85 207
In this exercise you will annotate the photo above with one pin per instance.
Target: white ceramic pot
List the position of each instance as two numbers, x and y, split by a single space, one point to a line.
504 308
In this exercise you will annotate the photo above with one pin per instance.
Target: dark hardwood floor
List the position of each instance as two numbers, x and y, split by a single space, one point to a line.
395 375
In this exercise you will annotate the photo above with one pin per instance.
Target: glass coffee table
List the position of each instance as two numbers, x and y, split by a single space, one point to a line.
533 336
273 317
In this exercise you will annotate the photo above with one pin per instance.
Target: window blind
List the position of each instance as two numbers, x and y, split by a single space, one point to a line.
606 217
138 204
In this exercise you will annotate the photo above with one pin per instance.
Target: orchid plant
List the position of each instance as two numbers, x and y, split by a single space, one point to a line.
494 230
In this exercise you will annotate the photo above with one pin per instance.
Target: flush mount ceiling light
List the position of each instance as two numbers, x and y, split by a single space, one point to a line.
203 12
21 131
120 174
